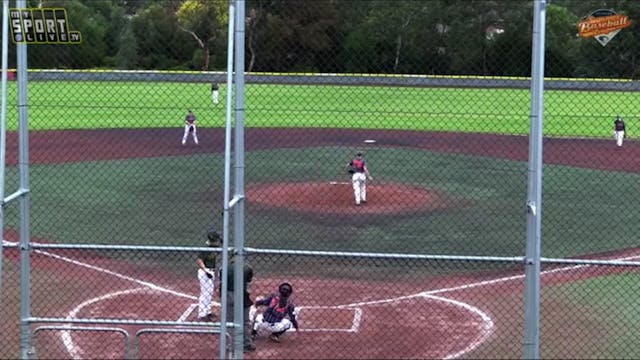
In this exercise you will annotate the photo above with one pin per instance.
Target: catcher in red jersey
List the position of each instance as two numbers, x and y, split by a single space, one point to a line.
274 318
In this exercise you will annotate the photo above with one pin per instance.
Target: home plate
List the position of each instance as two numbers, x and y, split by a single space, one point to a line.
369 141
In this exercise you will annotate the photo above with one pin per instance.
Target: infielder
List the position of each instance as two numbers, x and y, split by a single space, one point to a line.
273 319
189 128
618 130
206 261
214 93
360 174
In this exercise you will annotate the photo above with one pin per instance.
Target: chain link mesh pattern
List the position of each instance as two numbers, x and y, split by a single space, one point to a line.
427 264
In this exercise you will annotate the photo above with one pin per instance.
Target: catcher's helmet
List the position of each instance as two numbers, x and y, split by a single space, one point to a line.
213 237
285 289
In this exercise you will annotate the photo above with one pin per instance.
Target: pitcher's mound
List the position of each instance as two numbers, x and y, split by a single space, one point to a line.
338 198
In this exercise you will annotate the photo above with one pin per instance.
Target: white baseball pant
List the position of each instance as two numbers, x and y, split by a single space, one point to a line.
359 181
186 134
260 325
206 292
214 97
619 136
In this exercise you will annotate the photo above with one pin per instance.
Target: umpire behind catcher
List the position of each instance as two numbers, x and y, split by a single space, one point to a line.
248 344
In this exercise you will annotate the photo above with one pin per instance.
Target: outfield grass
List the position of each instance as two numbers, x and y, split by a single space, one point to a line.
86 105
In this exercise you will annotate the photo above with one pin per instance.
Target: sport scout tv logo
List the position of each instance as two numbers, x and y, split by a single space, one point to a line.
602 25
42 26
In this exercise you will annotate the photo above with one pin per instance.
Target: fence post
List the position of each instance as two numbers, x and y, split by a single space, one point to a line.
3 122
534 193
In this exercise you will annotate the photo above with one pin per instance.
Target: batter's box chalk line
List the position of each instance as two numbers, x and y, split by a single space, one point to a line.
355 321
339 183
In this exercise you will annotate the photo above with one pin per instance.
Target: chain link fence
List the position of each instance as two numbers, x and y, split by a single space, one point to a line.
428 263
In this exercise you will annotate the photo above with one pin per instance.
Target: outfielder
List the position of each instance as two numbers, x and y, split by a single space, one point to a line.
618 130
206 261
360 174
214 93
189 128
273 318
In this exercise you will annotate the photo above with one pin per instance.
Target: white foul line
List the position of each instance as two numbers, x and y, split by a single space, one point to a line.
66 334
355 323
488 323
118 275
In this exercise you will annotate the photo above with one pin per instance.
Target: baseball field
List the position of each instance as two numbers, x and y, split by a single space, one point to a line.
450 179
68 105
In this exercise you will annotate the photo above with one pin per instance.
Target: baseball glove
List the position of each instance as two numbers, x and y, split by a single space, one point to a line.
209 275
351 171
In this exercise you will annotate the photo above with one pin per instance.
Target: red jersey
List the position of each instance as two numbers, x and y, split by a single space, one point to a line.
357 165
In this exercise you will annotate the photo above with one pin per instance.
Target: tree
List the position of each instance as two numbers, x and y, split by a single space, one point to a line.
204 20
467 42
161 44
252 20
443 37
295 37
620 57
127 55
393 36
89 20
561 41
396 24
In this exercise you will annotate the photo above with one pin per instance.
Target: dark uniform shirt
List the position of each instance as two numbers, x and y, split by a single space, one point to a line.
275 313
190 118
208 258
248 276
619 125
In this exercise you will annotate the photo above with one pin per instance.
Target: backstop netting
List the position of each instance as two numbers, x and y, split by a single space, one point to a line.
115 194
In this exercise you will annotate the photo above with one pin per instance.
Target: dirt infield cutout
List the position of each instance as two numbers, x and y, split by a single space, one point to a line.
332 197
